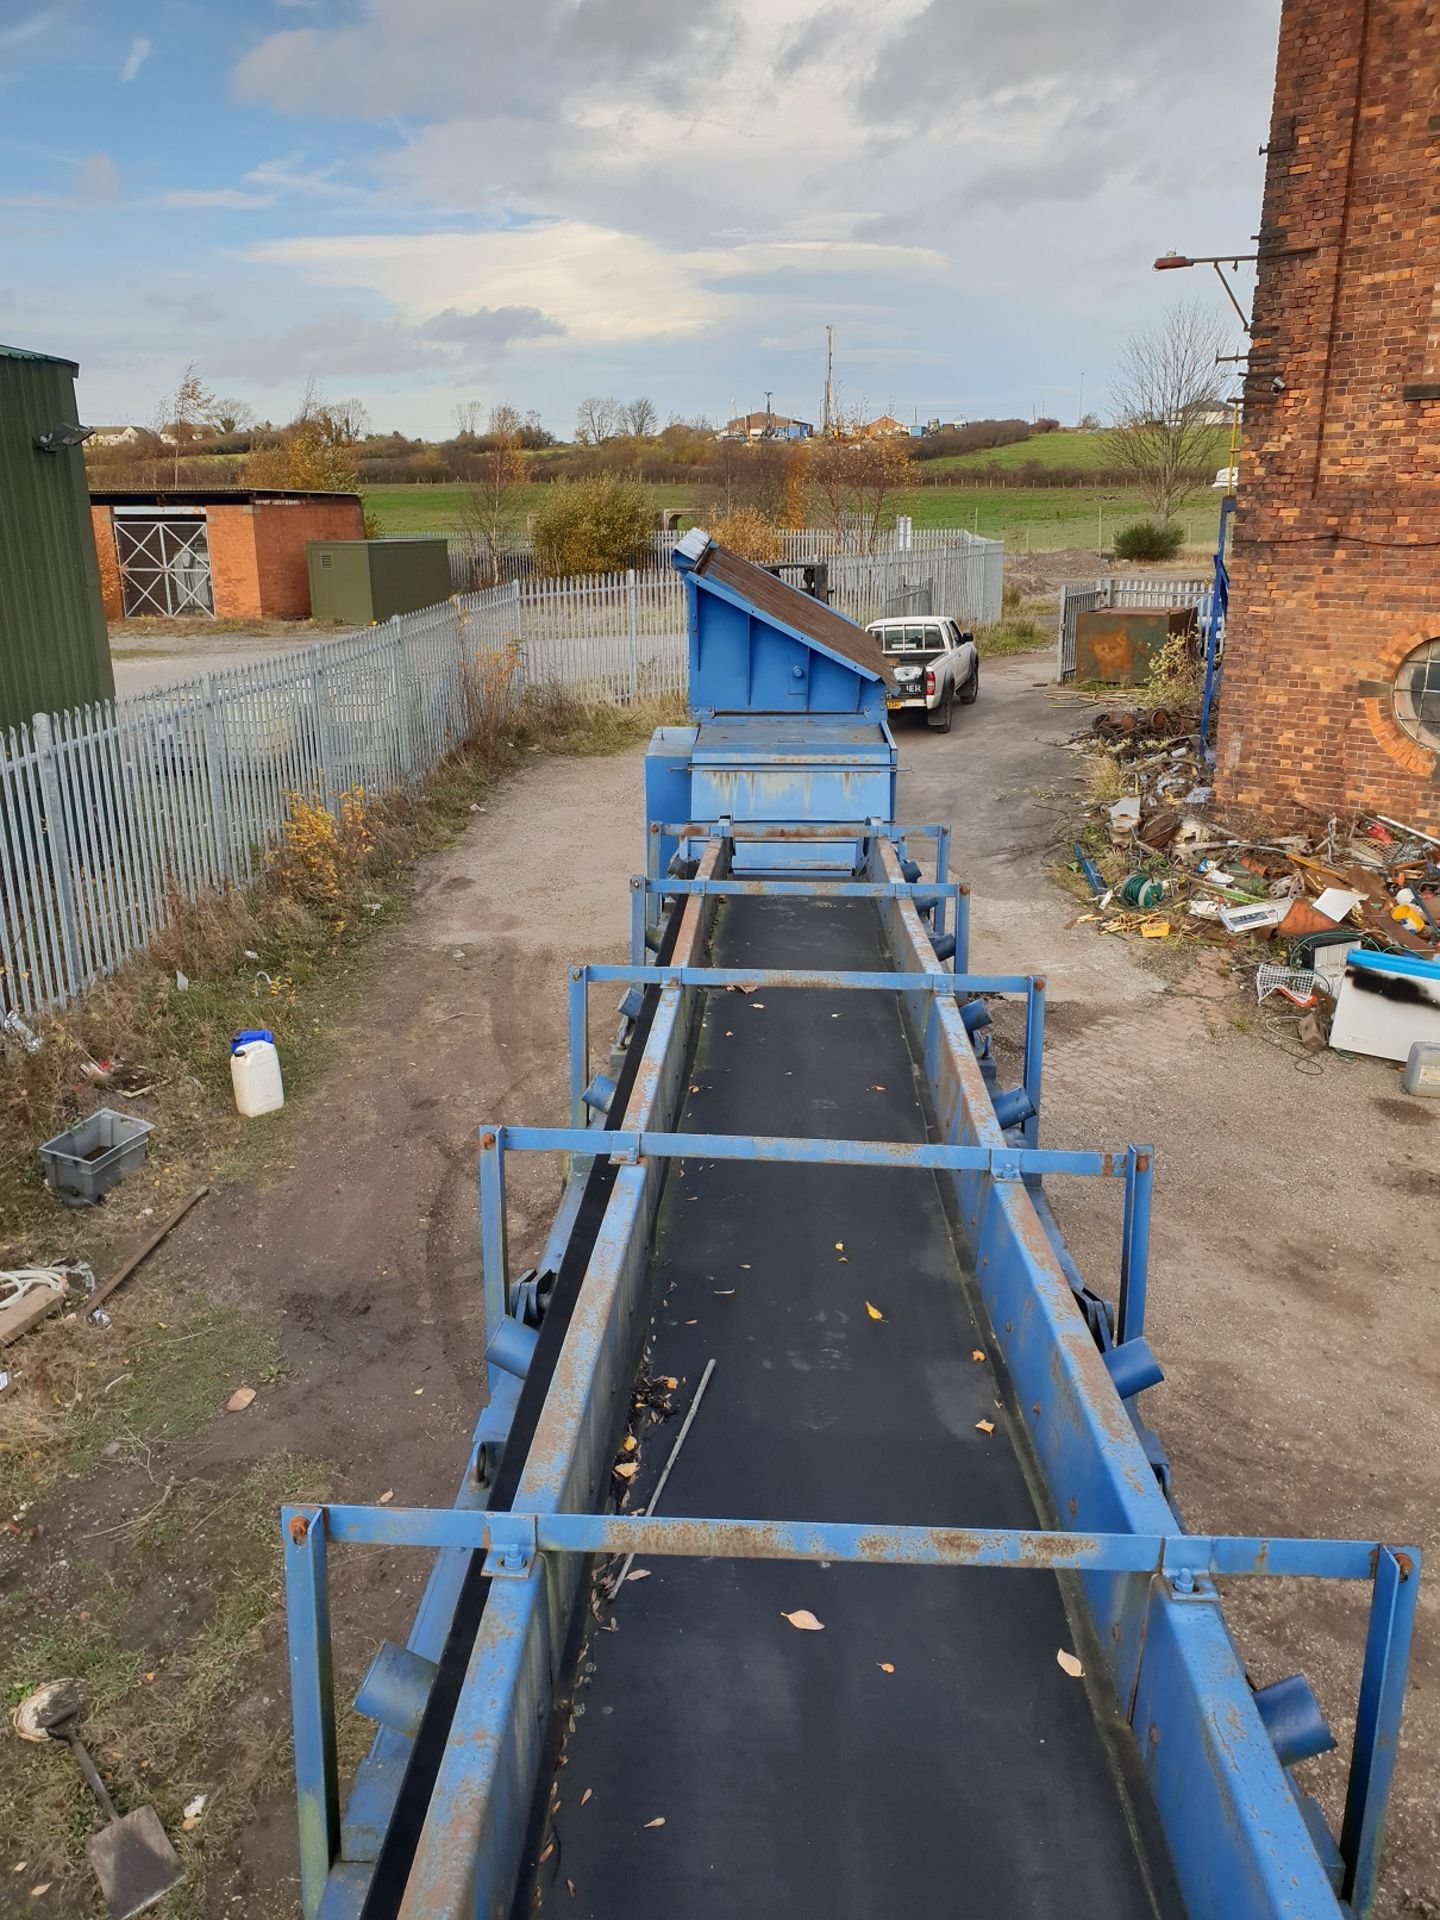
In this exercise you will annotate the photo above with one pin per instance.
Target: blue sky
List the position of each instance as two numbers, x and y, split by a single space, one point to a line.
425 202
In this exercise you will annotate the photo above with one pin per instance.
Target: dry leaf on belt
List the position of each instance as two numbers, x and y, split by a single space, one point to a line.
839 1246
1069 1663
723 1293
387 1496
627 1469
885 1666
586 1795
984 1426
240 1399
570 1888
550 1848
640 1573
804 1620
670 1381
629 1443
977 1353
658 1821
757 1004
874 1312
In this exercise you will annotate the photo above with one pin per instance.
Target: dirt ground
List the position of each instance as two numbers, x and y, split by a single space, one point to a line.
1293 1295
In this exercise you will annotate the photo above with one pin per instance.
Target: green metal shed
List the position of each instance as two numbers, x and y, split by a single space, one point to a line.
54 648
362 581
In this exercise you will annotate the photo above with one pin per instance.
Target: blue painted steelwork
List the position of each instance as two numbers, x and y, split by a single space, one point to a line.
1244 1841
1219 600
867 1543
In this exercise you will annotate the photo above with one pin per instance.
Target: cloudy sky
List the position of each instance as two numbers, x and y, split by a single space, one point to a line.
425 201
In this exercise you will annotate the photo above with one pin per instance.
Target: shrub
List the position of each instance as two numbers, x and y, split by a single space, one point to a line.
746 531
597 525
1148 540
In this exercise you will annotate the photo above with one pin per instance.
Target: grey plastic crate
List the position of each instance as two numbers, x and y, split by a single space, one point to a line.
83 1163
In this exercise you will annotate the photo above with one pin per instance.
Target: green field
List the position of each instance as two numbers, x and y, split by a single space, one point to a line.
1066 448
1026 518
441 509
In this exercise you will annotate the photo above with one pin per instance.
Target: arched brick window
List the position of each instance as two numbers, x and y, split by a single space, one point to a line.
1417 694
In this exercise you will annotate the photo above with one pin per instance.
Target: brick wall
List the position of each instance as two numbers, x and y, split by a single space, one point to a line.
257 552
282 528
1336 568
102 519
234 575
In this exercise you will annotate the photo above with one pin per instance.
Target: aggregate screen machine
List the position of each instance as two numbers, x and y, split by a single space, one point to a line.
811 1553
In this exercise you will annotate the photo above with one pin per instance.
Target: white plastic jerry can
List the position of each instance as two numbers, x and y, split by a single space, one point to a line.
255 1072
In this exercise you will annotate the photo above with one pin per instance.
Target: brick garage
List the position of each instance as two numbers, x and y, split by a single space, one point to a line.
251 544
1336 570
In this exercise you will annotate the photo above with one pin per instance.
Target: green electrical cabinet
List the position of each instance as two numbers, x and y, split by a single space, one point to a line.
54 647
363 581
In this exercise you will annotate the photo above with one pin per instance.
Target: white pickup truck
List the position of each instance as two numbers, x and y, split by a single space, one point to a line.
935 663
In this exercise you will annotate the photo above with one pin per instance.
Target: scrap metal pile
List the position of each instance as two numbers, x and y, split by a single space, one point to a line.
1162 861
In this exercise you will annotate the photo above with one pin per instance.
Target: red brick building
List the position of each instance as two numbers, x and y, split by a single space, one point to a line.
237 555
1331 697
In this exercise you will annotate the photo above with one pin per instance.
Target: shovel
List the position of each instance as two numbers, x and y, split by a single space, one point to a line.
131 1857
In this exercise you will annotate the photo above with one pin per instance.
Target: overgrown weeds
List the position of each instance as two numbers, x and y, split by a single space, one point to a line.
279 954
1177 675
1015 632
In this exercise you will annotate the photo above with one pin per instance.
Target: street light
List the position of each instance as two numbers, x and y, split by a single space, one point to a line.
1169 262
57 439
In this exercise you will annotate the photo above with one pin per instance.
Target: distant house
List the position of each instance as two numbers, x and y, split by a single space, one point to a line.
884 427
766 426
117 436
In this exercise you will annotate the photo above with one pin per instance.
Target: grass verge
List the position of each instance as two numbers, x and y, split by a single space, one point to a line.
175 1709
281 954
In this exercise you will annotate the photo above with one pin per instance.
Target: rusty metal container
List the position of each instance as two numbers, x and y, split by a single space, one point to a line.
1117 645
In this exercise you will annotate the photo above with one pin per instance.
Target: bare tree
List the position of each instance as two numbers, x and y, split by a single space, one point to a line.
490 507
596 420
468 415
1165 389
853 482
231 416
506 420
189 408
639 418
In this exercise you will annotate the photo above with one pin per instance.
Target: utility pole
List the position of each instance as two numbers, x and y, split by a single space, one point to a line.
828 403
769 416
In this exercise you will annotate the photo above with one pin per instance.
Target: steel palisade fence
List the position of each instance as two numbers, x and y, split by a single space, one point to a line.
1116 590
473 565
114 815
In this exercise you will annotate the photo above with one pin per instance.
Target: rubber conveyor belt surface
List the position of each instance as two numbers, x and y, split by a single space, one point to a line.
794 1774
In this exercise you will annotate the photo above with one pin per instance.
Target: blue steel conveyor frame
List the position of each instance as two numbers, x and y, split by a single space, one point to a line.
1242 1837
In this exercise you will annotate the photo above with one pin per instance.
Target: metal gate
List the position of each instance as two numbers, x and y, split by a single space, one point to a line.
164 564
910 596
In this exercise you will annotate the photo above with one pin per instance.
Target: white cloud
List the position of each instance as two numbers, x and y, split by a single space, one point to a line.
216 197
630 195
425 56
600 286
30 28
288 175
96 179
139 53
